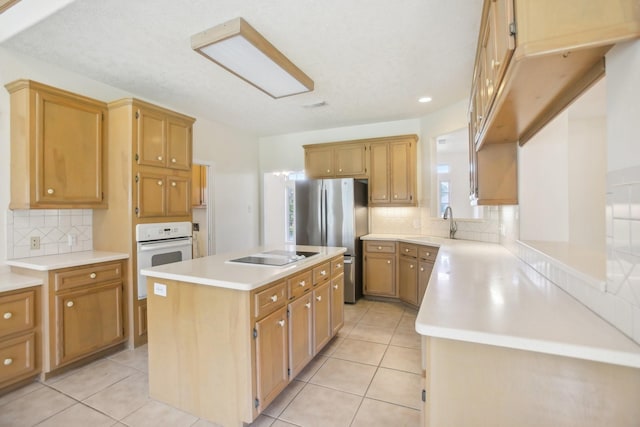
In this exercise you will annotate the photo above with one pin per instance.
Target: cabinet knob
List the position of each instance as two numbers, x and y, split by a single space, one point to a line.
8 361
50 191
173 160
395 196
323 273
274 298
406 250
160 182
319 298
411 266
328 170
428 253
8 315
173 183
384 196
281 323
302 283
339 170
160 158
308 305
93 275
335 286
69 303
494 63
379 248
338 265
421 268
388 262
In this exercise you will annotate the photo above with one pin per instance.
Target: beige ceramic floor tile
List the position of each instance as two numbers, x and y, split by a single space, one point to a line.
93 378
373 413
366 352
280 423
346 330
157 414
345 376
123 397
403 359
78 415
371 333
284 398
262 421
385 319
34 407
328 349
388 307
311 369
406 339
137 358
317 406
30 388
407 322
401 388
204 423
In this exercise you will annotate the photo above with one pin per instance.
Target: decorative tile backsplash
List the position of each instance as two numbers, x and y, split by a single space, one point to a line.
60 231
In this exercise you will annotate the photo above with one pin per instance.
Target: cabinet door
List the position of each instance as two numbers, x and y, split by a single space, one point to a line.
88 320
318 162
350 160
423 278
337 303
321 316
196 186
504 39
300 333
379 173
178 195
401 162
178 144
408 279
69 148
380 275
151 195
271 356
18 358
151 138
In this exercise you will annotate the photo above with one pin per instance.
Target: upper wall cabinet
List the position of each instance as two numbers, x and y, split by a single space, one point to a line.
534 57
164 139
336 160
58 148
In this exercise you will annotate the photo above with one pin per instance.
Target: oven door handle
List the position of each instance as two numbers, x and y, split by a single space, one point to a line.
153 246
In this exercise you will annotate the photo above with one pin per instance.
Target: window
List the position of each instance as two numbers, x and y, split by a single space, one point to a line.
444 195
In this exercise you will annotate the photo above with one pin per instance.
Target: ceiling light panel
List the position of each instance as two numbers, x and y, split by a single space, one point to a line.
240 49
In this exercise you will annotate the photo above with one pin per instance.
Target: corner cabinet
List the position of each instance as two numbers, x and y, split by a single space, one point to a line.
380 268
58 148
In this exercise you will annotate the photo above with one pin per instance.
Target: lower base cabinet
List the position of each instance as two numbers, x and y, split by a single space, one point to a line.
300 333
271 356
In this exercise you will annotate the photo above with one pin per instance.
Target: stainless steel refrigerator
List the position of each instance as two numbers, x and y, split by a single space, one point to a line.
333 212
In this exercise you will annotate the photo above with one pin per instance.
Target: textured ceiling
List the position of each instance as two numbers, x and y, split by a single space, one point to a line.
370 59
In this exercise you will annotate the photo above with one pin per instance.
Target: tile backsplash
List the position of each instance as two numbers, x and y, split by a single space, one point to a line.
54 228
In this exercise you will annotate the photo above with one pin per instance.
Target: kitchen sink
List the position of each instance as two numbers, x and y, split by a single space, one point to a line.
274 258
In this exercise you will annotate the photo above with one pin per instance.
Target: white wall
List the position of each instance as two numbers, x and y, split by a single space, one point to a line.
234 152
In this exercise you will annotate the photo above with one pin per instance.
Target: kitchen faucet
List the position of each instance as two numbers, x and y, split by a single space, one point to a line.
448 214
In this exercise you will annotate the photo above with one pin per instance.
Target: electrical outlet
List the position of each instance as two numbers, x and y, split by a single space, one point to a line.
72 240
35 242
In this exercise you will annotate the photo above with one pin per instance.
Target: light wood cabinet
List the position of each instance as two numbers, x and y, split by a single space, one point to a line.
164 140
336 160
380 268
58 148
300 333
19 336
271 356
322 331
408 275
392 178
198 186
163 195
337 303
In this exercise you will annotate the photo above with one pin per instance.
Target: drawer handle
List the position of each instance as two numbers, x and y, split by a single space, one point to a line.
8 315
69 303
281 323
379 248
93 275
303 283
173 160
50 191
406 249
411 266
274 298
335 286
160 158
319 298
308 305
323 273
8 361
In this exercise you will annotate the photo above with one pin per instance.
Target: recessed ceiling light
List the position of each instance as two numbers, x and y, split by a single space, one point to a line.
424 99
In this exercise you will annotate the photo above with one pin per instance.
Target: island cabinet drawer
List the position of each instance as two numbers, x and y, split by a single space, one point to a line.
17 312
428 252
383 246
299 284
270 299
409 250
337 266
321 273
17 358
97 273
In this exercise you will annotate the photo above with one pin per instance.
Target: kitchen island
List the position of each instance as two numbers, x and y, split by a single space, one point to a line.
503 345
225 338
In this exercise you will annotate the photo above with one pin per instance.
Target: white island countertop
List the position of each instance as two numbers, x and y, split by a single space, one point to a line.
482 293
71 259
216 270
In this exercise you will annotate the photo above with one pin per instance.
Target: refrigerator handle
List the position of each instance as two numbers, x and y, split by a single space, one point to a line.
324 217
321 213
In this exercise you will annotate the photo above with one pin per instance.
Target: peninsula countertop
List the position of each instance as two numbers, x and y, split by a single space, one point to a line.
216 270
482 293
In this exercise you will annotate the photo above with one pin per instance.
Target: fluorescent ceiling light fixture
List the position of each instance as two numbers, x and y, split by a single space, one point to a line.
237 47
424 99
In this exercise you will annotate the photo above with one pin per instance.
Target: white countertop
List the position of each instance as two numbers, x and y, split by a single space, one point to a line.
11 281
71 259
482 293
216 271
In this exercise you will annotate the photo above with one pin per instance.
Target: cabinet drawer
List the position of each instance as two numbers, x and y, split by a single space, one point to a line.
299 284
268 300
337 266
380 246
17 312
428 252
321 273
97 273
409 250
17 358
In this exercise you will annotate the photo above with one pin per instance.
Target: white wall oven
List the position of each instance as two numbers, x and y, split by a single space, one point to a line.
159 244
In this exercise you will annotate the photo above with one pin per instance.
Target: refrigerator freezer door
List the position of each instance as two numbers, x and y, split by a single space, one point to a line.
309 213
340 229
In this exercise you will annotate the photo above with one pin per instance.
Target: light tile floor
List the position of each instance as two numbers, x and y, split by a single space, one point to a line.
369 375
